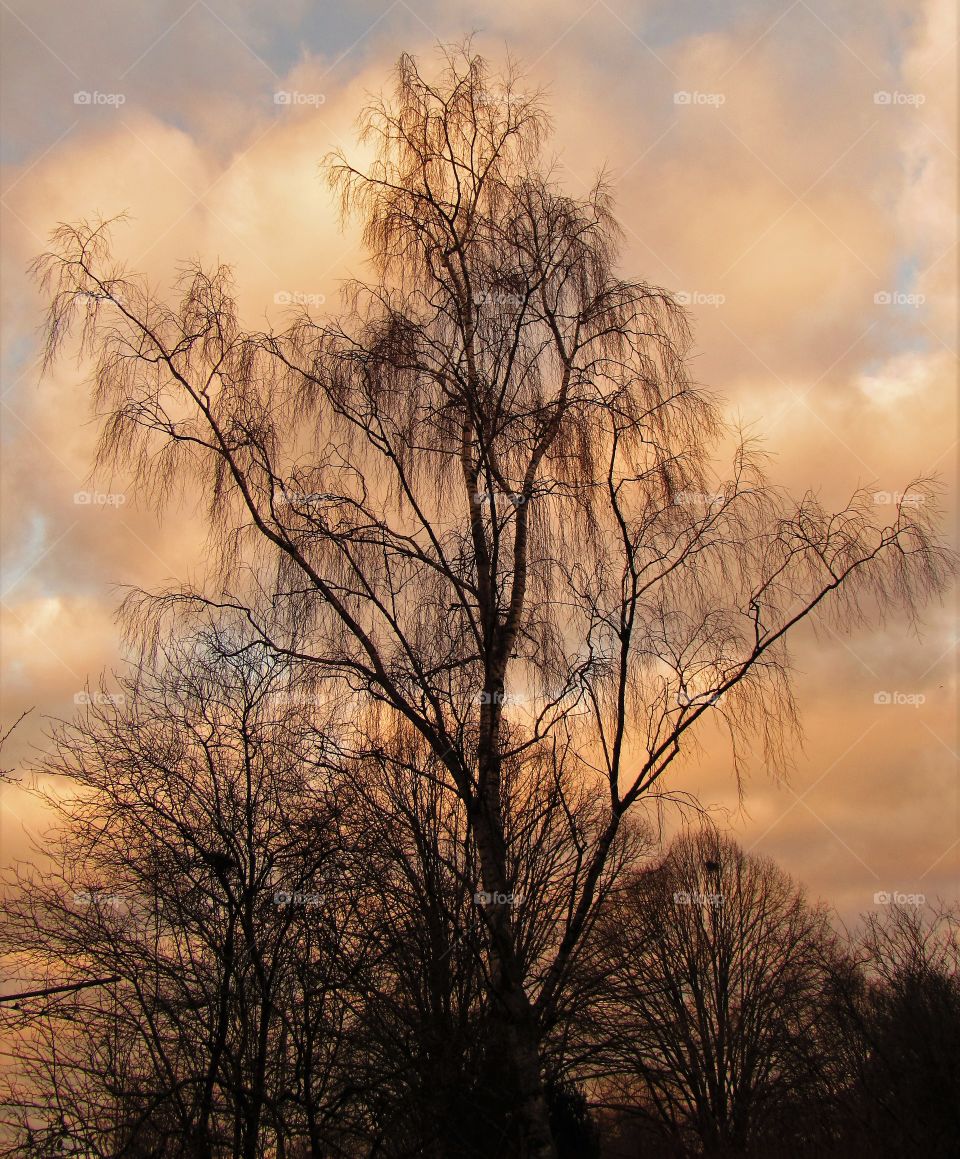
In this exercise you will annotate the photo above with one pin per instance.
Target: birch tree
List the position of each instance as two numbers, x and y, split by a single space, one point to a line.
480 500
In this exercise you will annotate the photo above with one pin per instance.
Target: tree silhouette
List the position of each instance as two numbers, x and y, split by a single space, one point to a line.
715 967
480 502
191 920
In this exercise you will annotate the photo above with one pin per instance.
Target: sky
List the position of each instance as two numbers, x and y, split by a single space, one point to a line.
788 169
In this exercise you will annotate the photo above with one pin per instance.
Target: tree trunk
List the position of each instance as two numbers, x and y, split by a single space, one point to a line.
522 1038
534 1112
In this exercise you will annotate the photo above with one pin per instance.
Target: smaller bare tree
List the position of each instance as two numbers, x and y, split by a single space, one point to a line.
715 964
190 957
898 1011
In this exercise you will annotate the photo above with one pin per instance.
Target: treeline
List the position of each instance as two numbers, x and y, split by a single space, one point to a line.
284 945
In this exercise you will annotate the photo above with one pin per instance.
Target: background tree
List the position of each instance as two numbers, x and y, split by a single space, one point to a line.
899 1013
489 478
716 968
194 871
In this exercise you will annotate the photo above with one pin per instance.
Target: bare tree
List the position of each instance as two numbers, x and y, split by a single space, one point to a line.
716 966
898 1013
421 1002
436 1068
192 942
488 480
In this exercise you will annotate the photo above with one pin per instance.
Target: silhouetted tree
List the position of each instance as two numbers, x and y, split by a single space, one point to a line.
488 480
436 1068
192 867
900 1015
716 967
